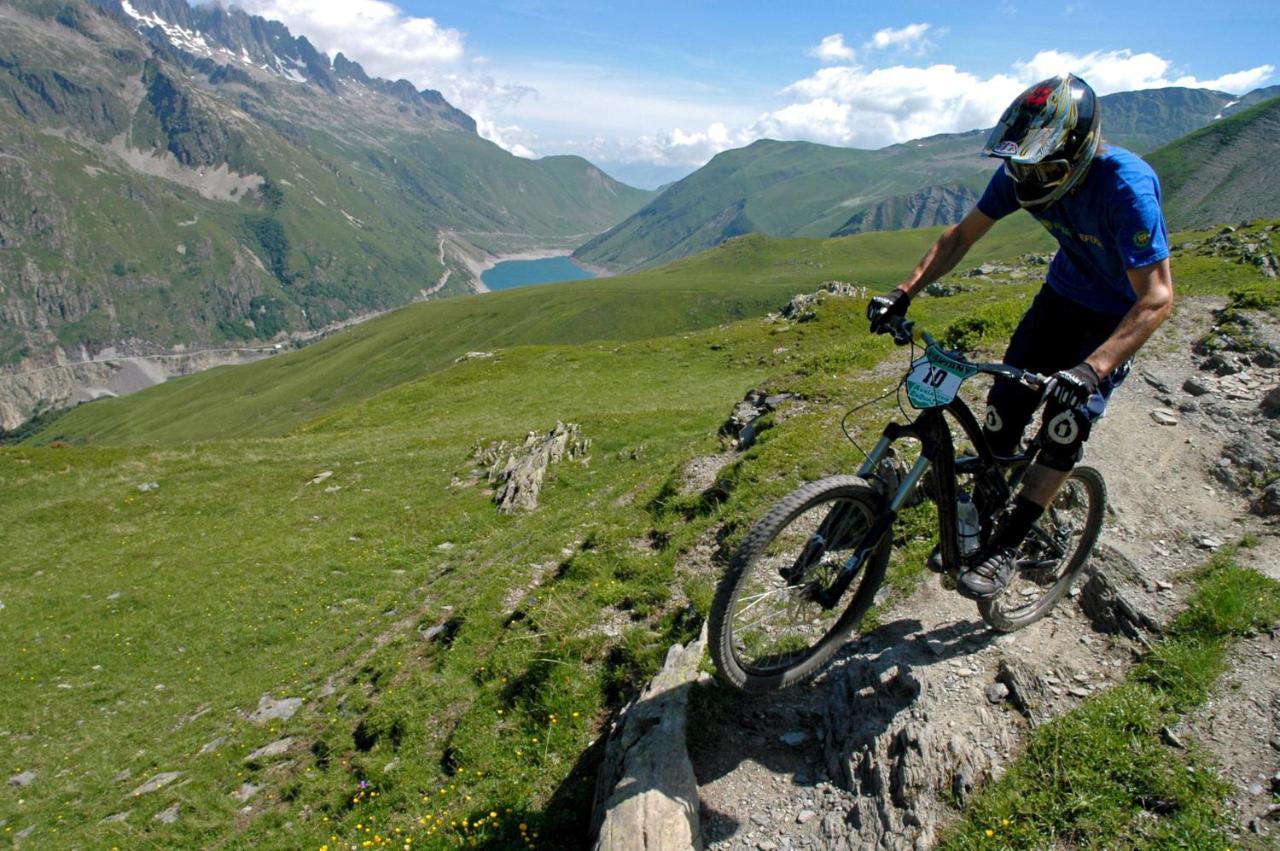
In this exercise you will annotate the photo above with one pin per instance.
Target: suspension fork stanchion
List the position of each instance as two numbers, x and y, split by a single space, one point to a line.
938 448
884 522
909 483
876 455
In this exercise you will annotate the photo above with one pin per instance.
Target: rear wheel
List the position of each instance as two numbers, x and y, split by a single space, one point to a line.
1053 555
776 617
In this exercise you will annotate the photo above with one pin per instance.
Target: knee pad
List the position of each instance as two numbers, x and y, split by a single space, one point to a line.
1065 431
1002 437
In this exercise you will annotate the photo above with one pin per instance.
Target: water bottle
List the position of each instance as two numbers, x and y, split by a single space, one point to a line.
967 524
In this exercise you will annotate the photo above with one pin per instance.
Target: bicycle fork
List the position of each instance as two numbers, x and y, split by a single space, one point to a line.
881 525
936 450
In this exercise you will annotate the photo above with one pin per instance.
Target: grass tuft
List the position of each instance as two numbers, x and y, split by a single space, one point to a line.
1100 776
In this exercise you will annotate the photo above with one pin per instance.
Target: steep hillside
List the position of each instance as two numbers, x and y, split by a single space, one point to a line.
781 189
931 206
744 277
802 189
1225 172
175 178
1144 120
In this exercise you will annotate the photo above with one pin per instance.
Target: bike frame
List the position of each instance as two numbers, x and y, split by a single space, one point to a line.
937 450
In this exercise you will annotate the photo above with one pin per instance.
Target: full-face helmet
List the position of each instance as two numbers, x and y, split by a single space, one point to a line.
1047 138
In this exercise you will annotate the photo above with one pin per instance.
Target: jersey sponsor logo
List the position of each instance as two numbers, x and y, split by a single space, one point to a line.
1142 238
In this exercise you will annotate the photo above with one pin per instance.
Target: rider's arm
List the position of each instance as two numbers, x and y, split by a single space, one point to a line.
1153 285
943 256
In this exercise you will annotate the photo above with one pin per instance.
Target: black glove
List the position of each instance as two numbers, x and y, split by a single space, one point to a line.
1074 386
879 309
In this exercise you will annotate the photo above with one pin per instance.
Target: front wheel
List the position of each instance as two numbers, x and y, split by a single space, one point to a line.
1053 555
787 602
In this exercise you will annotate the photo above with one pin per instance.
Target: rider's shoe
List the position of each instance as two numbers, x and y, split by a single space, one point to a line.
989 578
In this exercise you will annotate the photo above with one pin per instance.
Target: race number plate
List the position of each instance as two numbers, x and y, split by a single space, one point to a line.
935 379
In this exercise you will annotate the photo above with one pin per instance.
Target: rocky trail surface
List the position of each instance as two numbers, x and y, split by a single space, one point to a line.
911 719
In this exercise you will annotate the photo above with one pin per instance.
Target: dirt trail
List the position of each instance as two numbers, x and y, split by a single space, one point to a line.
824 766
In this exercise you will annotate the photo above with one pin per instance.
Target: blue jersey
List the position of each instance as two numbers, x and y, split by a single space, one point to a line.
1110 223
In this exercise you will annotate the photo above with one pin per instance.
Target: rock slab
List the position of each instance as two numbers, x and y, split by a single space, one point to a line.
646 792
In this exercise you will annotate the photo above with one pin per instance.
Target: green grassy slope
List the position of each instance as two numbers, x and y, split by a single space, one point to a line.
141 626
1224 172
168 613
746 277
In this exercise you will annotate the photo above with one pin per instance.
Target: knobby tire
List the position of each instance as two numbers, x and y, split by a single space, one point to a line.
754 566
1000 612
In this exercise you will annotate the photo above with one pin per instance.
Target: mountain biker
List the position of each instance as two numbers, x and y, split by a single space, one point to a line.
1108 288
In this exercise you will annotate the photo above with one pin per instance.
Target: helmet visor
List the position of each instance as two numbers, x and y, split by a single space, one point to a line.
1048 174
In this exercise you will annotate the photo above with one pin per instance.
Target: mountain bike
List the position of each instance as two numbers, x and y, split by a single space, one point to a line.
808 571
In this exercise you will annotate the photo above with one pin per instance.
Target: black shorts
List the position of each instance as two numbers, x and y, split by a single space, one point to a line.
1055 333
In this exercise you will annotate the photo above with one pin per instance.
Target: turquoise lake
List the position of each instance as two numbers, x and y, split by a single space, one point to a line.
525 273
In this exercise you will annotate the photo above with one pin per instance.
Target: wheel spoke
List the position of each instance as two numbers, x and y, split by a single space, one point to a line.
777 618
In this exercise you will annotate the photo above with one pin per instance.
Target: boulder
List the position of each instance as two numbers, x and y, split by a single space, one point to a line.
158 782
646 793
270 709
907 771
1109 598
1271 403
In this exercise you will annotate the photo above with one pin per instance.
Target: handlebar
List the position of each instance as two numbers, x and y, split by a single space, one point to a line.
904 331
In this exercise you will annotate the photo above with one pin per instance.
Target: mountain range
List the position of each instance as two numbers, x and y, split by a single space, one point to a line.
177 177
806 189
1224 172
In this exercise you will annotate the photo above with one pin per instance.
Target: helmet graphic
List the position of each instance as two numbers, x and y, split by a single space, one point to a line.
1047 138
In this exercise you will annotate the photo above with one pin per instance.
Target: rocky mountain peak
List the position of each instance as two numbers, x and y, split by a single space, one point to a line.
235 40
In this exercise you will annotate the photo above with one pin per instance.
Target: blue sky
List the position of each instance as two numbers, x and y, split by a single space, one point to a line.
651 90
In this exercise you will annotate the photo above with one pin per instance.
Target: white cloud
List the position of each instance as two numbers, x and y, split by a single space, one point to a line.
871 108
389 43
1236 84
378 35
833 49
1123 70
910 37
868 108
849 105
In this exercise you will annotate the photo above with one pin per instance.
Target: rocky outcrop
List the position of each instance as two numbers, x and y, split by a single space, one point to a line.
906 771
646 792
801 307
68 383
1245 245
1112 600
744 422
933 205
517 472
1236 390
